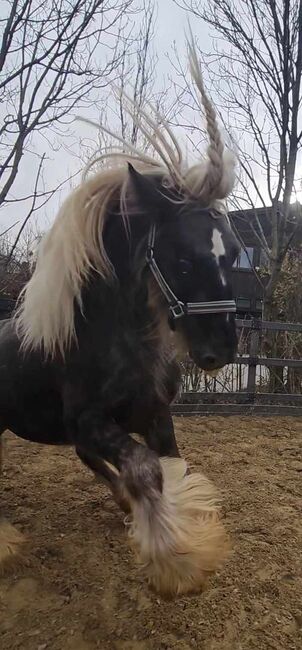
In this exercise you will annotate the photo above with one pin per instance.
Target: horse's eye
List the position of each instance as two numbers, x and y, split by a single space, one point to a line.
185 267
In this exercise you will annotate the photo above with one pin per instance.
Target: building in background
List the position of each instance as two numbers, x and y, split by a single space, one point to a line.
248 288
247 285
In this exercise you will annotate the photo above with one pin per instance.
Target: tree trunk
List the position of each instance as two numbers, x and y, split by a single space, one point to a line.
272 341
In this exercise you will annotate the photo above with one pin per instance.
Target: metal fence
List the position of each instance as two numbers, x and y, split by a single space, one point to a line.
243 388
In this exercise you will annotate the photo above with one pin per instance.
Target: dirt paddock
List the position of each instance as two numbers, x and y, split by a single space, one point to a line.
78 588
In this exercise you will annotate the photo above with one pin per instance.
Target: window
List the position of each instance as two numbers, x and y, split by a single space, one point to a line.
245 258
243 304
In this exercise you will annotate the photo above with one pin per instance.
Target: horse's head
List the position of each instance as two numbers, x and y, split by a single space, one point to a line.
190 248
190 252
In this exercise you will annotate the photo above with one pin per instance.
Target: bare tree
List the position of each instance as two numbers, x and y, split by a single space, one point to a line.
136 70
16 265
255 68
54 55
135 89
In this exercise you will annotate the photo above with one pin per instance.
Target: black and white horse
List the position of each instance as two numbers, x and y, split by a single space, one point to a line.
136 266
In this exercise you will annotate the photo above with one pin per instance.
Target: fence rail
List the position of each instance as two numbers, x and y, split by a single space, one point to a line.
264 410
258 324
240 397
248 401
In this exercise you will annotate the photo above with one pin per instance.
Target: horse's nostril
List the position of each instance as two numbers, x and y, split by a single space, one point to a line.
209 360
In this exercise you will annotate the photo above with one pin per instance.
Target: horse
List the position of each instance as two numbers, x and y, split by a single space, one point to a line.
134 272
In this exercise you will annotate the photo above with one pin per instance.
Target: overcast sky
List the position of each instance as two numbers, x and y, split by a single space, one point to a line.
60 164
171 25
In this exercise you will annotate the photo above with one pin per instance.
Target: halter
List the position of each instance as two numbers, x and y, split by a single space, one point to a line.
177 308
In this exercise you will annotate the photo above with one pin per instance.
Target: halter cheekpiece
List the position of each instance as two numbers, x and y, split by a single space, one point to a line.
178 309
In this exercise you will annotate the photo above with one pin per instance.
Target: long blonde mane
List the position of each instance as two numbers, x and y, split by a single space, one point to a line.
74 245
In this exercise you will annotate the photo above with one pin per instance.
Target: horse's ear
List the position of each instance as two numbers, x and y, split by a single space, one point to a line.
148 194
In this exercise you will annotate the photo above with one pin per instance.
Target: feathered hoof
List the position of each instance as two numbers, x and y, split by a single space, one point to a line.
178 537
11 542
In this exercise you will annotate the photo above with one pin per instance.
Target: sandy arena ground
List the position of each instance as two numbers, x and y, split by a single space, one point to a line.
78 588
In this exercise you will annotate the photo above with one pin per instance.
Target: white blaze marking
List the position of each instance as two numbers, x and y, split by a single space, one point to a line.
218 251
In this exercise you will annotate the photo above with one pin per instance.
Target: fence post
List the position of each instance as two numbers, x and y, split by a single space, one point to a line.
253 353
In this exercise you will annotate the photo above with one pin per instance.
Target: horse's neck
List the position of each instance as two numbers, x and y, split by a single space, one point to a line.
120 311
121 341
119 317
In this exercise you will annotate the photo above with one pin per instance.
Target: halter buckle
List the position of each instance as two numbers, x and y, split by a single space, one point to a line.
177 310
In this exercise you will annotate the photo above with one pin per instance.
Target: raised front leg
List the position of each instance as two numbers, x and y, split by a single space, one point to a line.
173 525
160 435
106 474
133 467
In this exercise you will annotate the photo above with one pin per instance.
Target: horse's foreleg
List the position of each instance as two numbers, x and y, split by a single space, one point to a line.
114 455
10 538
160 435
107 474
173 525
